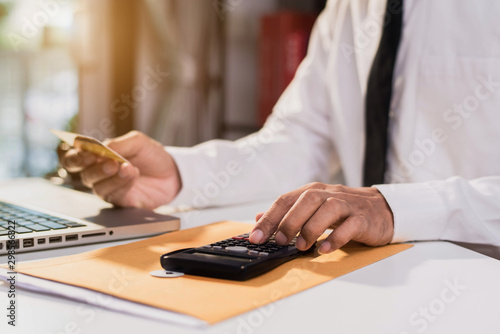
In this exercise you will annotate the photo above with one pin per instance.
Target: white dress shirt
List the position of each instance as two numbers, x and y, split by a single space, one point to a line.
443 178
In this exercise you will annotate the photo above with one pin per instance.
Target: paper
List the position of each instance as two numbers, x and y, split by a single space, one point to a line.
88 144
123 272
91 297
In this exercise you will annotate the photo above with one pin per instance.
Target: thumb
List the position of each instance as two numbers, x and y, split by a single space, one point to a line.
128 145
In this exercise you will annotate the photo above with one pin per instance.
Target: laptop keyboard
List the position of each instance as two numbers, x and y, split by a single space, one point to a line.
28 221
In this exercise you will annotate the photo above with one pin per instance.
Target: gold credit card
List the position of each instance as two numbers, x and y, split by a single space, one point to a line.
88 144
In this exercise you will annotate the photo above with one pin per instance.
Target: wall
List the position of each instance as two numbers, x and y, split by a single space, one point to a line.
242 30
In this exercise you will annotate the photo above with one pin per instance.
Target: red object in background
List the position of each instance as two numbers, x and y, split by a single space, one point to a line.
283 45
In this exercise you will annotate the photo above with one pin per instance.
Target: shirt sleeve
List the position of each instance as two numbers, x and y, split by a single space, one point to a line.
455 210
293 148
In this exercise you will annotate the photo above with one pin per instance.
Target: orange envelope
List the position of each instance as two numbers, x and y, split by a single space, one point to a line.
123 271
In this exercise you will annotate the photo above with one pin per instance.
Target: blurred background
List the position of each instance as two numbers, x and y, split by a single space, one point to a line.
182 71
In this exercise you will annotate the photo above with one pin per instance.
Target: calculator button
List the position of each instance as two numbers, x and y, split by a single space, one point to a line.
264 253
237 249
217 247
253 252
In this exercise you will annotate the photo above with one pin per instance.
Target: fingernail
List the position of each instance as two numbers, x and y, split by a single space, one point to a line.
256 236
108 168
124 171
280 238
325 247
300 243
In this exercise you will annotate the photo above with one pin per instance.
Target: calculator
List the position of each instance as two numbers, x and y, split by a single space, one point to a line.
234 258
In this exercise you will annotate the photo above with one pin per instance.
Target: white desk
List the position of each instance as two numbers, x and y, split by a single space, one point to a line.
406 293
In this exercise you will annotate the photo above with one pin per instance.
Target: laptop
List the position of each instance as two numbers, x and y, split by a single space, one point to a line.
37 215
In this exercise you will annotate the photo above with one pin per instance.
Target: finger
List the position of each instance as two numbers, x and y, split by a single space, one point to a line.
350 229
331 212
99 171
258 216
128 171
268 223
301 211
115 188
76 160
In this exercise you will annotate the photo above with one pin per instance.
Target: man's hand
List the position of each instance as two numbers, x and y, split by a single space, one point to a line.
359 214
152 178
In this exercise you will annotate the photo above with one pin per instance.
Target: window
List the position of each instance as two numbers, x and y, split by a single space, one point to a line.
38 85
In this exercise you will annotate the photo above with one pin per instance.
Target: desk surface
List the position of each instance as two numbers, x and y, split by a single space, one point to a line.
434 287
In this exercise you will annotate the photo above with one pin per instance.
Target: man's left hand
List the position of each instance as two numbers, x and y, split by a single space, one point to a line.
360 214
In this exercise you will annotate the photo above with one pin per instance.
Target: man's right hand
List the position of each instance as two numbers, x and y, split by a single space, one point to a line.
152 179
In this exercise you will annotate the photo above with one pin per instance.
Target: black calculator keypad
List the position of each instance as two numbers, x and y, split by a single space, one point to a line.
233 258
240 245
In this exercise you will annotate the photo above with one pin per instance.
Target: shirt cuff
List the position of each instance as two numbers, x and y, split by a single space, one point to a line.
188 163
419 211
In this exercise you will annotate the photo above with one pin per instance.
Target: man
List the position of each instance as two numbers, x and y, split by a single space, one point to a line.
442 171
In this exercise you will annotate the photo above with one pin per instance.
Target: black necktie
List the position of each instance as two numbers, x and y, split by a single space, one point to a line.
378 95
